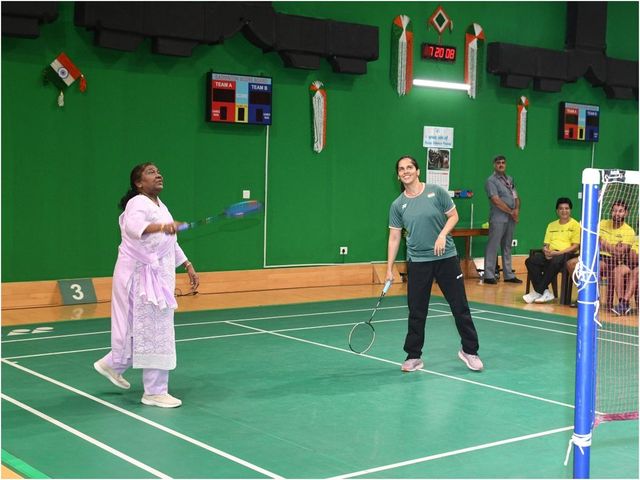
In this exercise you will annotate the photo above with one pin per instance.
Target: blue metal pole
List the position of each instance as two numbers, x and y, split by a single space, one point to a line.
587 328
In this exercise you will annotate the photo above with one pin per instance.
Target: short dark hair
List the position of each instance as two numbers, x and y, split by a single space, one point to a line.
562 200
620 203
499 157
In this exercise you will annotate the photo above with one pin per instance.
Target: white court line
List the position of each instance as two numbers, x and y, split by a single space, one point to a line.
142 419
213 337
274 317
552 330
451 453
86 438
260 331
34 355
451 377
177 325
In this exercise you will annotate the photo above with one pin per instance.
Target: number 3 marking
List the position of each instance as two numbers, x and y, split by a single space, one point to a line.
79 294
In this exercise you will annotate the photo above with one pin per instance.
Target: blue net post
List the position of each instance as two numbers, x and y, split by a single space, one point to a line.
586 334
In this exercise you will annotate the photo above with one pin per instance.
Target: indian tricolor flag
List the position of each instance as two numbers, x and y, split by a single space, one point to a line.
65 69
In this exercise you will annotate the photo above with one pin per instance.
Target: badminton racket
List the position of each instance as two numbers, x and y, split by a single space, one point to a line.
236 210
363 334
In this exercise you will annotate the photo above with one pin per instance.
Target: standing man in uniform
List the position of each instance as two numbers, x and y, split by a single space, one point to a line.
503 216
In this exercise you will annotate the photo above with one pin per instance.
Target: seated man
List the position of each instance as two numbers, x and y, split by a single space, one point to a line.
561 239
616 239
625 281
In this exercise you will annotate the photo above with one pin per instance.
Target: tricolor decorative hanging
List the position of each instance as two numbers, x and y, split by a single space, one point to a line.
319 105
440 21
62 73
521 124
473 56
402 54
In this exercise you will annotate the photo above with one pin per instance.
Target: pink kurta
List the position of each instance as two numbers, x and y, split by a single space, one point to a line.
143 288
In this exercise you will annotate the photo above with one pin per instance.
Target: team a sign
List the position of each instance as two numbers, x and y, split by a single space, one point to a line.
440 137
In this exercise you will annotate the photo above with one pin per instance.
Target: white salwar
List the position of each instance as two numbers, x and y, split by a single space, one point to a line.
143 302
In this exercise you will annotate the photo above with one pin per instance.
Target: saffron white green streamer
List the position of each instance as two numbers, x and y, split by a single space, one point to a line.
319 105
521 125
473 56
402 54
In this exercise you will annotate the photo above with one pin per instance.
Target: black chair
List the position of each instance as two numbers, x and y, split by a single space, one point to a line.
566 283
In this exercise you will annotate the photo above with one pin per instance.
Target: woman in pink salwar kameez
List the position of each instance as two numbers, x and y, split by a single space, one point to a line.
142 303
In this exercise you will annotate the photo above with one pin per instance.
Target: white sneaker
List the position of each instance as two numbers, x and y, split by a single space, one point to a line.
114 377
531 297
163 400
411 365
472 361
546 296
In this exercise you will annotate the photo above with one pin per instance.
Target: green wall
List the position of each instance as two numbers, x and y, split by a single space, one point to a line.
64 170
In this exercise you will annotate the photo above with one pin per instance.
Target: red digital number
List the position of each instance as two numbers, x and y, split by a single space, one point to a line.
430 51
451 54
439 52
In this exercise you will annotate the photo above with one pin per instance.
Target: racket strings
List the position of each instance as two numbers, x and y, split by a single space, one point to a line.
362 337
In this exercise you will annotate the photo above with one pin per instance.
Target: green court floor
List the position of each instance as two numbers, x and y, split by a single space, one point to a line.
275 392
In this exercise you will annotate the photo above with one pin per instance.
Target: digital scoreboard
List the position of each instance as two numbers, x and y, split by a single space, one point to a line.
579 122
238 99
440 53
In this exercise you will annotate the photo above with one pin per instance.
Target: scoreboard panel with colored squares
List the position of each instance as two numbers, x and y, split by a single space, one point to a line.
238 99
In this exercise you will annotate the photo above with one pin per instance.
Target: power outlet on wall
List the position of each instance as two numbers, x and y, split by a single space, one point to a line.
514 242
344 250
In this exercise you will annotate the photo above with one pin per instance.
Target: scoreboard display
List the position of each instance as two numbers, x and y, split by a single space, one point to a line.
579 122
440 53
238 99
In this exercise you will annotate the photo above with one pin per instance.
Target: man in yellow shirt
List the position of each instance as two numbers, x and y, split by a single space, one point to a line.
627 276
617 257
561 240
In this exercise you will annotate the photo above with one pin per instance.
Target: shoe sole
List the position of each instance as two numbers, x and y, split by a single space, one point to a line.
544 301
105 374
466 362
417 367
153 403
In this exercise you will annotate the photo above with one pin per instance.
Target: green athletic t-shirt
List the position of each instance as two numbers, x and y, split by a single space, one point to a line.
423 217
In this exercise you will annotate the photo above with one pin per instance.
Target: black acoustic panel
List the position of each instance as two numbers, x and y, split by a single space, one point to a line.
584 57
511 59
300 60
174 27
547 85
622 72
352 40
260 28
588 64
121 16
301 34
586 26
551 64
348 65
621 93
223 20
515 81
173 46
127 42
23 19
180 20
23 27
